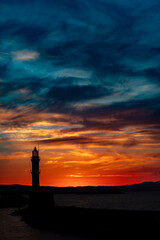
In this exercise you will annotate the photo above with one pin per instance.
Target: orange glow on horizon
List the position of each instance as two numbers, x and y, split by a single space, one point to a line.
81 167
73 156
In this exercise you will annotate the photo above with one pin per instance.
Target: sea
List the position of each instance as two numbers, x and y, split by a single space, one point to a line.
12 228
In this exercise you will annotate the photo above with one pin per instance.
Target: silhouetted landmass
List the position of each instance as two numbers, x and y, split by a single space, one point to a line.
17 195
13 201
42 213
23 189
93 223
145 186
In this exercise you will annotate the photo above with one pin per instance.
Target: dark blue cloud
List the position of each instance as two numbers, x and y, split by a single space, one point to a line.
105 52
31 33
3 70
76 93
153 74
142 113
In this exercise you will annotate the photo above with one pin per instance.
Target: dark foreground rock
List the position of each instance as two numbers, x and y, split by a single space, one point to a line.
12 201
94 223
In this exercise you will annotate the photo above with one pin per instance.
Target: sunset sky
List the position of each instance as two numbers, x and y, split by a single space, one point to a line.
81 79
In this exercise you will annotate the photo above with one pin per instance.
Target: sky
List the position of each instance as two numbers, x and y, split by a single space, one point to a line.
81 80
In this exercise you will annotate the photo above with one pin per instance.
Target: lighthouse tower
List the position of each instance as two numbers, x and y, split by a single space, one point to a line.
40 198
35 169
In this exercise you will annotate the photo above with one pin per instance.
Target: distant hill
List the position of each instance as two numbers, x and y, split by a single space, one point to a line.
145 186
26 190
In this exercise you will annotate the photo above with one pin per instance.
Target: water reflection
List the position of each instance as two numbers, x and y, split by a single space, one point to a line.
128 200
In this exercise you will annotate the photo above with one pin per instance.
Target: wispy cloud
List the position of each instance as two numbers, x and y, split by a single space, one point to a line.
25 55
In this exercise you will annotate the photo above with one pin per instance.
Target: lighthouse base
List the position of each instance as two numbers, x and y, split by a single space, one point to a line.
41 199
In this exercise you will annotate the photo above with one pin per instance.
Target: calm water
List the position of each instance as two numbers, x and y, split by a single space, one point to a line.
129 201
12 228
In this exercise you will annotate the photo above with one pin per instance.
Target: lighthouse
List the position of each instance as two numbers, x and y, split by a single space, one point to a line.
40 198
35 169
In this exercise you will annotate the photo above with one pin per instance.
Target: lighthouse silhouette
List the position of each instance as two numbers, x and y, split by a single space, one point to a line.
35 169
40 197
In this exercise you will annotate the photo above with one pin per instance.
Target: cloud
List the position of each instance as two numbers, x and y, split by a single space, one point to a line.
76 93
3 70
81 140
28 33
66 140
25 55
115 46
131 142
153 74
73 73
